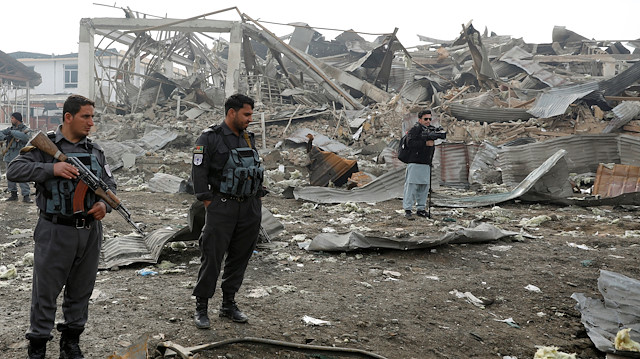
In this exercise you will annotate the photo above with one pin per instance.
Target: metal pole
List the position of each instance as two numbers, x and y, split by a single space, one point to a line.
264 132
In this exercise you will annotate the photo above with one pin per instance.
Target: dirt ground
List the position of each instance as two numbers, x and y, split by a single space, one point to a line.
389 303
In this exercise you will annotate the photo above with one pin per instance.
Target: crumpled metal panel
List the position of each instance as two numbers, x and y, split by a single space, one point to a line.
555 101
616 180
482 233
620 82
521 58
128 249
469 113
483 168
624 113
328 167
603 319
584 153
554 165
388 186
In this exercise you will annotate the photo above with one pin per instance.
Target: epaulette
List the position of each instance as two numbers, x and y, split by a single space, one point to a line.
213 128
26 149
92 144
51 135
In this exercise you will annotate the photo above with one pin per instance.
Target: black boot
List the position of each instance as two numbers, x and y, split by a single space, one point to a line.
69 348
13 197
230 310
37 348
200 317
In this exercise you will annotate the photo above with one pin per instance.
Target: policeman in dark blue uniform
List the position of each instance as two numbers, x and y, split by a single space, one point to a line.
227 177
16 138
67 244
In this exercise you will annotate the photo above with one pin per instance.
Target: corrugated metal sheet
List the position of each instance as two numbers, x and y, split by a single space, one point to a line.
327 166
504 69
130 249
483 168
519 190
619 83
484 100
629 149
521 58
464 112
386 187
451 162
584 153
400 75
616 180
417 91
555 101
624 113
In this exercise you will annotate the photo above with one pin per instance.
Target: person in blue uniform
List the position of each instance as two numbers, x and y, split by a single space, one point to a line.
67 244
16 137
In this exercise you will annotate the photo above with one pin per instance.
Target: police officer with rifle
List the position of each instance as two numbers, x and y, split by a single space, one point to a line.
68 235
16 137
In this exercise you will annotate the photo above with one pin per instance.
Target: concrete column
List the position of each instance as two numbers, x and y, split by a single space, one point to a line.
137 80
233 62
86 60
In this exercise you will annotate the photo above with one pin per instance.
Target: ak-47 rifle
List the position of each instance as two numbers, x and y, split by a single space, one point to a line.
6 149
88 180
4 152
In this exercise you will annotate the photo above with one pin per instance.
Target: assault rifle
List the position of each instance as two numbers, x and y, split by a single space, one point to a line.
88 180
9 143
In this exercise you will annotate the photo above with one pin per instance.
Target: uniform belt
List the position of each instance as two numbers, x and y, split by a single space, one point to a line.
235 198
77 222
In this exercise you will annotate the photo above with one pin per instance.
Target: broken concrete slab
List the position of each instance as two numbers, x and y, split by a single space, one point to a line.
167 183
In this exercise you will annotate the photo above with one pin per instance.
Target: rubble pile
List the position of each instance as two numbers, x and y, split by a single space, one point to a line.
485 90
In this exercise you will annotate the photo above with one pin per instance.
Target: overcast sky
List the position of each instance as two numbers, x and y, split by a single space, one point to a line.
51 27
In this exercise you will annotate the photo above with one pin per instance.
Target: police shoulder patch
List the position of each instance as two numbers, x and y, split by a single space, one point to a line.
197 159
198 149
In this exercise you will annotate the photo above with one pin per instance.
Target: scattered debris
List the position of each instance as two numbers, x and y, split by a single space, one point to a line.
552 353
603 318
315 322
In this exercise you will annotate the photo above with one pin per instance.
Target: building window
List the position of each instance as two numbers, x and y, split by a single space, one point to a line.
70 76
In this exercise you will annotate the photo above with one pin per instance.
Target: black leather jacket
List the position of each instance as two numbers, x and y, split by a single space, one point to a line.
420 152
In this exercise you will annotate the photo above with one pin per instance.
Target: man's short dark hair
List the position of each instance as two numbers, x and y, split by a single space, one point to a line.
237 102
424 112
74 103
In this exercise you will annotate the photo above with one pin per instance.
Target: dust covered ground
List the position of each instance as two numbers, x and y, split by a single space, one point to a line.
390 303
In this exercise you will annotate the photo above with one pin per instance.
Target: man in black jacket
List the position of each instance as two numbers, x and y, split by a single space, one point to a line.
227 178
418 173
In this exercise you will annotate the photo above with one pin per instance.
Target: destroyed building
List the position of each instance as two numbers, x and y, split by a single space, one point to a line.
554 122
490 92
